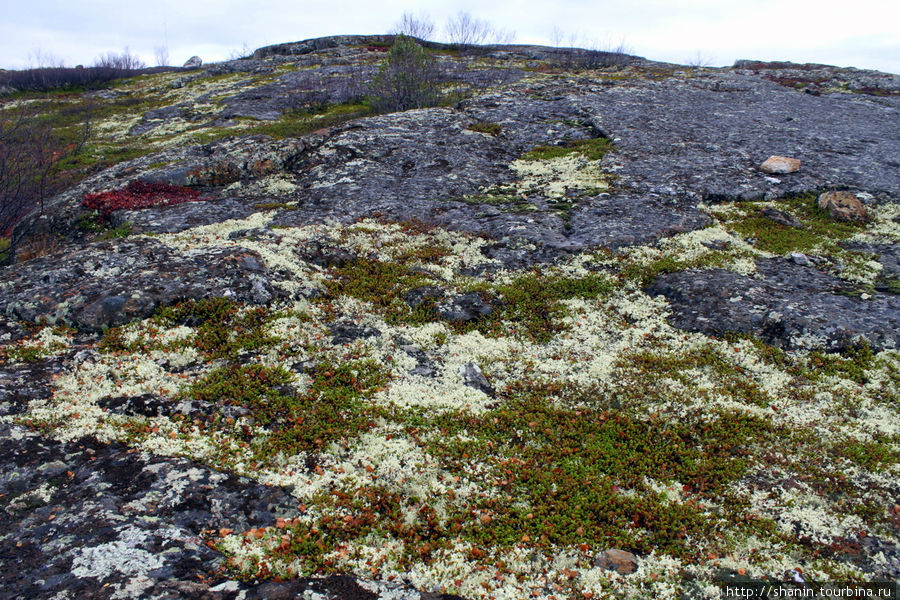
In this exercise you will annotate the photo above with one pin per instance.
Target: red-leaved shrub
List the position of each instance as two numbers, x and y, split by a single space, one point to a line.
137 195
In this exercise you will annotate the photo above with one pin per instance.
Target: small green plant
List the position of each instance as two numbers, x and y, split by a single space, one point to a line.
275 206
123 230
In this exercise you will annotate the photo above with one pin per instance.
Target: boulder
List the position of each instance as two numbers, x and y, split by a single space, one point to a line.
843 206
194 62
780 165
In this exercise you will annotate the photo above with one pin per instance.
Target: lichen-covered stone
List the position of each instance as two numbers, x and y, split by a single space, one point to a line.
843 206
111 283
791 306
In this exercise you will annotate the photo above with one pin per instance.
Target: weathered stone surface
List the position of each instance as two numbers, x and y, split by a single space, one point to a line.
888 255
178 217
111 283
474 377
83 516
194 62
617 560
678 140
780 217
704 137
791 306
817 79
843 206
100 521
465 307
780 165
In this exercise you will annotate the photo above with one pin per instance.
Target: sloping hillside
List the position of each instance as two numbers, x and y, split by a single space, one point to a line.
555 335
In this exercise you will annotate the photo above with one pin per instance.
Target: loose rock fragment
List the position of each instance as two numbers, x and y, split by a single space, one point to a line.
474 378
843 206
617 560
780 165
780 217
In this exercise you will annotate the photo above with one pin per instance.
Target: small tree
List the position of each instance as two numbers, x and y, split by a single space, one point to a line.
161 53
408 78
421 27
466 30
30 155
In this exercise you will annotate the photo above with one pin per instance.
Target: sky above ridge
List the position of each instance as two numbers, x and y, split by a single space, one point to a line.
863 34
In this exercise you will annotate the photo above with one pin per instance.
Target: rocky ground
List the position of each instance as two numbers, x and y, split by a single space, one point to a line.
558 337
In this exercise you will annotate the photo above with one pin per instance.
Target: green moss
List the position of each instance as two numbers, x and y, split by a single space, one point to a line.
492 129
4 248
875 455
852 363
330 408
255 386
592 149
383 284
123 230
819 231
23 354
530 306
300 123
507 202
275 206
891 285
644 274
223 330
651 371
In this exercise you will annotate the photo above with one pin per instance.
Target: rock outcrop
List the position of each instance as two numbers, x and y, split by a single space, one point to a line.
589 298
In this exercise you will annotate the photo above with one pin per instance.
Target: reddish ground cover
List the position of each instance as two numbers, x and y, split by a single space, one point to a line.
137 195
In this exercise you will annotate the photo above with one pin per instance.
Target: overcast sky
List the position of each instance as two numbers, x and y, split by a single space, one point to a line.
862 33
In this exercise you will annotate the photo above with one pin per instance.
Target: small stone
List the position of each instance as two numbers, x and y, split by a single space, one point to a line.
194 62
717 244
474 378
465 307
780 165
800 259
417 296
780 217
616 560
843 206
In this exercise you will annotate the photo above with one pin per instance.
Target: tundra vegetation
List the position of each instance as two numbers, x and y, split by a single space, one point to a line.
603 425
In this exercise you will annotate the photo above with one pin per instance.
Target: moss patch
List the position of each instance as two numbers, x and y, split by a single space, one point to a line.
591 149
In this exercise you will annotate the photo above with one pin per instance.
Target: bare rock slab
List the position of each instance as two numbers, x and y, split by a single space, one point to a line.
791 306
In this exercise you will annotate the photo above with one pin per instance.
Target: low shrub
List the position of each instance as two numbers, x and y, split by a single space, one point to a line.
137 195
